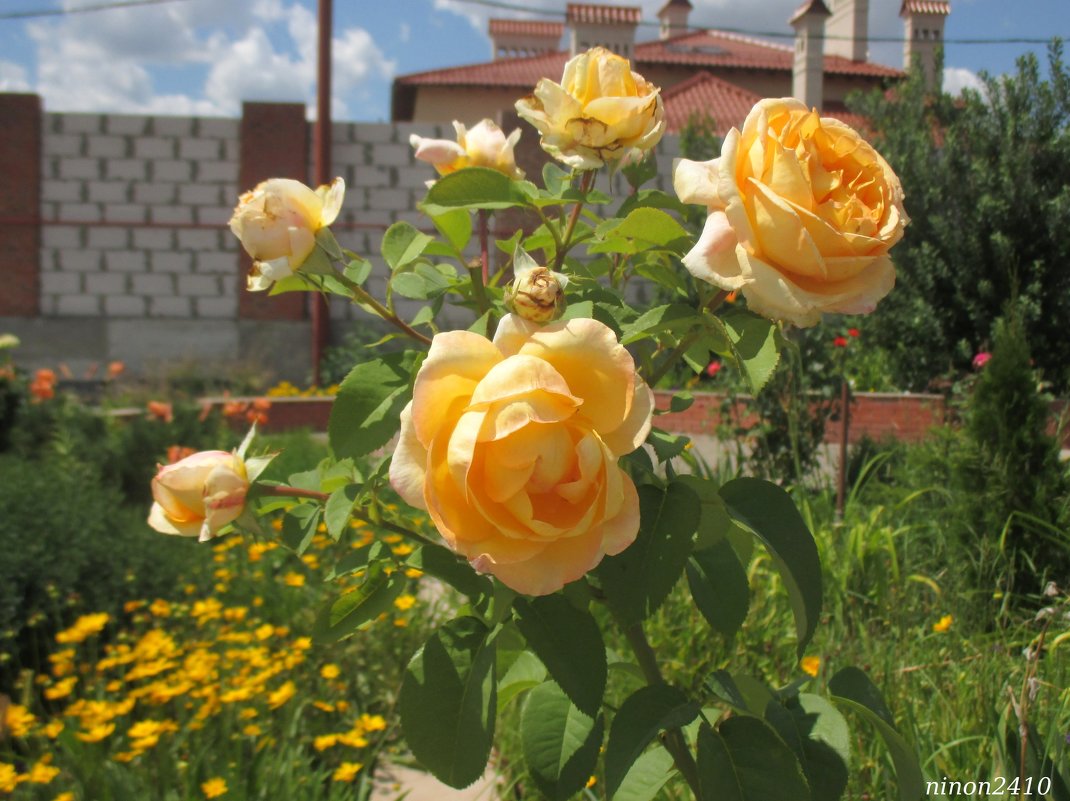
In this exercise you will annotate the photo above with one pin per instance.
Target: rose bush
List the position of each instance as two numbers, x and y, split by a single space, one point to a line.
511 446
277 224
199 495
486 145
803 212
601 112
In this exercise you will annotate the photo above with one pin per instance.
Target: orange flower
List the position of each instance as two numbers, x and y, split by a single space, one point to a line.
176 453
161 410
115 369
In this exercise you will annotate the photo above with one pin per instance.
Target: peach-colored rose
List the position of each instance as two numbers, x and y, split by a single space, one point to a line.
199 495
803 212
486 145
600 112
277 224
511 446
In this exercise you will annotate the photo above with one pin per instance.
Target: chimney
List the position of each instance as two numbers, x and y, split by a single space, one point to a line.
612 27
808 70
514 38
847 33
923 33
673 17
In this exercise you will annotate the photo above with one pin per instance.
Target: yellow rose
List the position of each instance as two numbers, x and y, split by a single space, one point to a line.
600 112
277 224
802 215
512 446
199 495
486 145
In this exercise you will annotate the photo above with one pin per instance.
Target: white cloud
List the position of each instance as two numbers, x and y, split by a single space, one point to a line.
958 78
13 77
126 60
405 32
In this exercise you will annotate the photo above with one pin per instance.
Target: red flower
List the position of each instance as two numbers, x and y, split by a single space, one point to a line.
981 359
839 342
713 368
853 332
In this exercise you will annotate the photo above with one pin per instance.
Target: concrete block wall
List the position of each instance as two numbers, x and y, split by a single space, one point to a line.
135 210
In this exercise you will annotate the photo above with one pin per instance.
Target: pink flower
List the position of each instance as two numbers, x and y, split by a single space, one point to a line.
981 359
713 368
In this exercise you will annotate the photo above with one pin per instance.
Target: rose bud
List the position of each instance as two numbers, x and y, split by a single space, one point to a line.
199 495
486 145
536 293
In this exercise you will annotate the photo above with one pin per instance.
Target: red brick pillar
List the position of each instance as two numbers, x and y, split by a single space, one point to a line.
20 204
274 144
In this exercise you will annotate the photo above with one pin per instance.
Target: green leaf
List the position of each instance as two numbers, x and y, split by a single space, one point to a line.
653 199
719 587
525 672
358 271
555 179
444 564
456 226
815 730
755 344
338 508
569 643
343 616
560 742
745 693
667 445
671 317
475 188
646 776
299 526
369 402
292 283
852 689
424 282
681 401
637 580
746 761
643 714
652 226
448 701
769 513
403 244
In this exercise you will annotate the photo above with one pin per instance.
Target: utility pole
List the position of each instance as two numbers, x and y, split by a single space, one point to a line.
321 167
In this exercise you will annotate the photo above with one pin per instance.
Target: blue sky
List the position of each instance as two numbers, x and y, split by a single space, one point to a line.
206 56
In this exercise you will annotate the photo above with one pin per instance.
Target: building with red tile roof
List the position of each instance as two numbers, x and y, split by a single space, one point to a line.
696 69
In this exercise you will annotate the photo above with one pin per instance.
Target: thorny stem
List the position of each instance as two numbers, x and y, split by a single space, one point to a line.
674 741
360 295
484 256
685 343
297 492
586 182
481 276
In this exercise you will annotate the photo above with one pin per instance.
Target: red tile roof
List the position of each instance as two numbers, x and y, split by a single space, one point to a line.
705 94
718 49
515 72
924 7
592 14
522 27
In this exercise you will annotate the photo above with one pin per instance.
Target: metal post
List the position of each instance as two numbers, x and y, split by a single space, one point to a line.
321 167
845 418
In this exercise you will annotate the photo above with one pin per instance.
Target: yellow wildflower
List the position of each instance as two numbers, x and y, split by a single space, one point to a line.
943 624
405 602
252 730
248 713
347 771
52 729
400 622
9 779
325 741
265 632
354 739
213 788
372 722
330 671
96 733
281 695
61 689
160 608
64 797
323 706
592 781
302 644
132 606
19 720
292 579
413 573
84 628
810 665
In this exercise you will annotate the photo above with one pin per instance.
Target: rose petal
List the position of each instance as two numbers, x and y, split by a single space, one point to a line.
696 182
633 431
713 258
409 463
455 363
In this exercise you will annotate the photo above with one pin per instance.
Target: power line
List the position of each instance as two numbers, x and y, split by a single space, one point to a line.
502 4
62 12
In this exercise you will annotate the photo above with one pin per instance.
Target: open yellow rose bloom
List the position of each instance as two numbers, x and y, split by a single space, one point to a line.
511 446
199 495
803 212
600 113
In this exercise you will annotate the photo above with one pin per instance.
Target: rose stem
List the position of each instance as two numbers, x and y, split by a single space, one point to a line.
360 295
674 741
685 343
586 181
484 257
297 492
